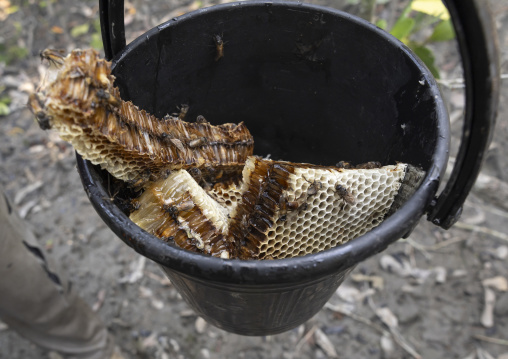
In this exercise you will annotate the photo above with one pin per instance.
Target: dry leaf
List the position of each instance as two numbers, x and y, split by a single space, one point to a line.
200 325
3 326
325 343
136 273
100 300
174 344
157 304
487 318
150 341
483 354
459 273
471 356
347 293
440 274
57 30
377 281
387 317
501 252
499 283
145 292
387 345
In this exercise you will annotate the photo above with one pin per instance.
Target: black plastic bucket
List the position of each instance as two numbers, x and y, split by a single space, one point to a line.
313 85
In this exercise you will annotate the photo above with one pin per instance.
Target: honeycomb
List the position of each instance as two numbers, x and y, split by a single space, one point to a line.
201 187
80 101
327 219
290 209
227 194
177 209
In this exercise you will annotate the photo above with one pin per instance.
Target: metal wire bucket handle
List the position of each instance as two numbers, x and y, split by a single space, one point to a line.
477 38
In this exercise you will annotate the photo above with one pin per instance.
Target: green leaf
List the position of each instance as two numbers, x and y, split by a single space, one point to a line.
443 32
96 41
4 109
382 24
426 55
80 30
12 9
402 27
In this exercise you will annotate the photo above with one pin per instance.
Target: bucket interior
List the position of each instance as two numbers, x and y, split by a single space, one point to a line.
311 86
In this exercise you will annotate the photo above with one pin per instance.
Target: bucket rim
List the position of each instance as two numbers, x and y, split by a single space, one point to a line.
300 269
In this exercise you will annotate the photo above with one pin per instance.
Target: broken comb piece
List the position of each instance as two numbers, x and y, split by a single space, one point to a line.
80 101
178 209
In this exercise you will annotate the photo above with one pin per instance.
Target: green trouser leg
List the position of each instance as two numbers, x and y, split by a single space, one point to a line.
37 302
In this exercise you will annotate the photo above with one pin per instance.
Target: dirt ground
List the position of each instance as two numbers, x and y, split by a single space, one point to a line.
434 283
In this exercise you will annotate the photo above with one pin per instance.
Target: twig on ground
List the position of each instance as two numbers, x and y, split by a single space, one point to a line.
305 338
392 325
162 280
491 340
482 229
446 243
420 247
435 247
392 331
354 316
459 82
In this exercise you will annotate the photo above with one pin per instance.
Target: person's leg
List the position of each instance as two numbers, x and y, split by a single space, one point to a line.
38 302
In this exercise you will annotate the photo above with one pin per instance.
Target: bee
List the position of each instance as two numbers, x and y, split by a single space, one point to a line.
201 119
343 164
174 209
244 227
198 142
111 197
195 173
343 193
368 165
105 96
286 206
43 120
183 111
177 143
219 46
36 105
166 137
314 187
169 239
54 57
136 205
169 117
199 178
